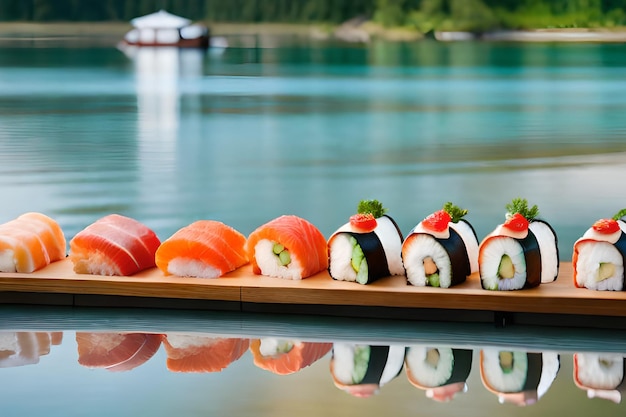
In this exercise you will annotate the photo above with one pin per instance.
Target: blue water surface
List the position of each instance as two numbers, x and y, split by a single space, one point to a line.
245 135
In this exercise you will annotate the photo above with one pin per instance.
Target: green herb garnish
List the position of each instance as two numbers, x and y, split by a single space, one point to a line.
455 212
620 214
373 207
520 205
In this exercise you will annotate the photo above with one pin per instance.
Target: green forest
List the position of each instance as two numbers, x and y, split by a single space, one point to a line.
422 15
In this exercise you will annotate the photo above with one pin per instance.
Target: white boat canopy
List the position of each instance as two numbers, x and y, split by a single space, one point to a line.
160 20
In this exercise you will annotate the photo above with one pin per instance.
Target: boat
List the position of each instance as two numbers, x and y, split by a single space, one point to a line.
166 29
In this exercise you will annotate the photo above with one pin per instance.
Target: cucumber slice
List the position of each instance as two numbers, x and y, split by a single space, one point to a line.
357 254
278 248
361 363
433 280
605 271
362 276
506 361
284 258
506 269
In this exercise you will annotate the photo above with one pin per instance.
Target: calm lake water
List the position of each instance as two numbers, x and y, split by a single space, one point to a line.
248 134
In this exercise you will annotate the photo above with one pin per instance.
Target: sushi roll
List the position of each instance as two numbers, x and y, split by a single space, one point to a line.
440 371
287 247
600 254
441 250
361 370
521 253
30 242
116 352
517 377
601 375
203 249
114 245
366 248
284 357
188 353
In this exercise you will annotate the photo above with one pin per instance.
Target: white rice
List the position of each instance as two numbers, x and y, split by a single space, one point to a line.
7 261
392 244
491 254
423 372
551 365
8 256
590 255
183 267
185 341
600 371
418 247
549 252
269 264
471 242
395 361
271 346
340 249
343 362
492 373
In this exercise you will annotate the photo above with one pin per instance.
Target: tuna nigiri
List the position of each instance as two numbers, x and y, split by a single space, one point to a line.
284 357
191 353
116 352
287 247
114 245
30 242
205 249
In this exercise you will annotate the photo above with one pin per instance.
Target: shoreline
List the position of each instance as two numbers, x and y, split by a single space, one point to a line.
347 32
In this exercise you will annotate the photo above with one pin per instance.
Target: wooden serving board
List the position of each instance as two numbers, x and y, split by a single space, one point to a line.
243 287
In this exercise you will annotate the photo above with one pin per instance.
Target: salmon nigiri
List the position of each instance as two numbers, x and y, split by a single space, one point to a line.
116 352
114 245
287 247
190 353
204 249
284 357
30 242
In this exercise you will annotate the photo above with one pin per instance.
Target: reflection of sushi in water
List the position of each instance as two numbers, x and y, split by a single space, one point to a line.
190 353
441 250
116 351
284 357
361 370
520 378
366 248
287 247
203 249
599 255
601 375
521 253
440 371
25 348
